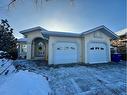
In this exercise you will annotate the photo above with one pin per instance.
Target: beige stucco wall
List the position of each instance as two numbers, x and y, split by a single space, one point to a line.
31 36
92 37
82 44
53 40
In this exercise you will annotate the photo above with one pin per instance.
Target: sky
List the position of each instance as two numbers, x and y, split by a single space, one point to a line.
62 15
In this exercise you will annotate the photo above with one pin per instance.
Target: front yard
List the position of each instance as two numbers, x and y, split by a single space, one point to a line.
102 79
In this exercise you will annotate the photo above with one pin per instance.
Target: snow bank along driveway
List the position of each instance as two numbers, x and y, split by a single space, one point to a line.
6 67
25 83
21 82
105 79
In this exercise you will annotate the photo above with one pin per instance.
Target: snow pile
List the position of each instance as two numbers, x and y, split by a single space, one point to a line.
2 51
6 66
25 83
23 40
2 54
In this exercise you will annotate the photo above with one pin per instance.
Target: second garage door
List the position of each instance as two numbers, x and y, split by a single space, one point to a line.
65 52
97 53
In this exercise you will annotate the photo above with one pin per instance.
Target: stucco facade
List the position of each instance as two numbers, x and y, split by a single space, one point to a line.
98 37
81 41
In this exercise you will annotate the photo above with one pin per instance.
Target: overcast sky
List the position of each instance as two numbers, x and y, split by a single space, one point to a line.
61 15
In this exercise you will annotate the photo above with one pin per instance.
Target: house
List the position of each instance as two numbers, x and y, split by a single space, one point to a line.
121 43
92 46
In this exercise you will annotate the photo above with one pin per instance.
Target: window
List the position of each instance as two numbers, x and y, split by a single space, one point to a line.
97 48
59 48
102 48
24 48
66 48
72 48
92 48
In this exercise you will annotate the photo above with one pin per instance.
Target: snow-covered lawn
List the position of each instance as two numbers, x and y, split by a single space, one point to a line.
13 82
6 66
104 79
25 83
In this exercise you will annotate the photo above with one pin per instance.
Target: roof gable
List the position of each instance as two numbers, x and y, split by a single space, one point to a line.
38 28
103 29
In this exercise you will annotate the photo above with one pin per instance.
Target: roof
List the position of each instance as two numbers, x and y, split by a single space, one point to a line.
104 30
47 33
23 40
61 34
122 32
38 28
50 33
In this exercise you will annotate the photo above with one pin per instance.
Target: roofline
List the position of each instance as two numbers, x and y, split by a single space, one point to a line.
61 34
32 29
99 27
65 34
23 40
111 31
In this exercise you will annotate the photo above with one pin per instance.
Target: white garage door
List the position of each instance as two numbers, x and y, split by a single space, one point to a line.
97 53
65 52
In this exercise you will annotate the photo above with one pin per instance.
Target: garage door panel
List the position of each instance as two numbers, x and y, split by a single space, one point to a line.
65 52
97 53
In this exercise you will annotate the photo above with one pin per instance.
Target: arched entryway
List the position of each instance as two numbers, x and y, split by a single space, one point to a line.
39 48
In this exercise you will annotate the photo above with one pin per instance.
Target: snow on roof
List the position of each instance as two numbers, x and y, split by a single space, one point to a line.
104 30
102 27
122 32
54 33
25 83
32 29
1 51
51 33
23 40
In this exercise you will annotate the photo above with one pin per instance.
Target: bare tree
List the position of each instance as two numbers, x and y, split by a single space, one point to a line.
38 3
35 1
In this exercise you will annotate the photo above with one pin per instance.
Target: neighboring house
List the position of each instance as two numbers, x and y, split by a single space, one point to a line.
121 42
92 46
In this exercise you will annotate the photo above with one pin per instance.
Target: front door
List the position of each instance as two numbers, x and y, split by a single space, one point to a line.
39 48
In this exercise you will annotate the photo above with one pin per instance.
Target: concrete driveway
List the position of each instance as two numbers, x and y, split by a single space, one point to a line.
102 79
89 80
